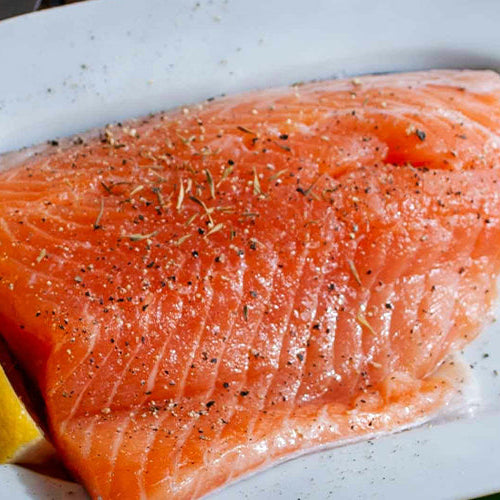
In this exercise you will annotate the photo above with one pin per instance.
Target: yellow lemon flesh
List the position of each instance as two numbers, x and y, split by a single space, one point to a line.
21 440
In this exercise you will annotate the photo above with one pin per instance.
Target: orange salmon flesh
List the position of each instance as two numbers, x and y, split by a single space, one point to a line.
200 293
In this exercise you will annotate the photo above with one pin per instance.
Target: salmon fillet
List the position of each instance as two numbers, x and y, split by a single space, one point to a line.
200 293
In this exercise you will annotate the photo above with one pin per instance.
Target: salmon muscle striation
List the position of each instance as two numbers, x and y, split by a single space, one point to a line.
202 292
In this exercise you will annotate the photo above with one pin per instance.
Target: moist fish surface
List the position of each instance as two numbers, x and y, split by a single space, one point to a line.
203 292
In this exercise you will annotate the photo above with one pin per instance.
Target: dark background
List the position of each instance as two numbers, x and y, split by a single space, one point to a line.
9 8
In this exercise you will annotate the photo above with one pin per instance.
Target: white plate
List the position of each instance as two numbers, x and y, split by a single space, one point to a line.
68 69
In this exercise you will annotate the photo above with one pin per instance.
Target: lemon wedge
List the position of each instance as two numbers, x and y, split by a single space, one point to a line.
21 439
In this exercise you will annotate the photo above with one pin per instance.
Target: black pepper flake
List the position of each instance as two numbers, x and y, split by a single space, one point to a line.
284 137
420 134
225 385
244 393
195 254
210 404
388 305
145 306
300 356
331 287
253 294
316 326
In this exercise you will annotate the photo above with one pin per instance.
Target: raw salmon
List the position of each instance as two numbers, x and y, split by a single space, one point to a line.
200 293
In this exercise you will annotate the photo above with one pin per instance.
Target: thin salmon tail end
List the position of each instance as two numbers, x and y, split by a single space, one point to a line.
399 403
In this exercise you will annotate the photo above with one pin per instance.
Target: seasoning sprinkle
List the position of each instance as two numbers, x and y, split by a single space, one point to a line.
210 181
106 187
246 130
215 229
227 172
309 222
97 223
226 210
278 174
160 178
256 184
182 239
136 190
420 134
180 198
109 188
157 192
310 188
354 272
363 321
245 312
140 237
149 167
186 140
282 146
202 204
191 219
40 257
